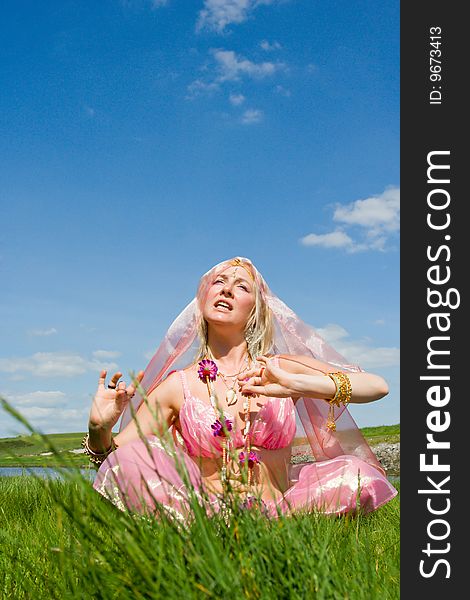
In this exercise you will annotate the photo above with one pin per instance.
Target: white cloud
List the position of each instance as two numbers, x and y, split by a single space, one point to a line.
38 399
270 47
39 413
54 419
216 15
236 99
376 213
360 351
251 116
334 239
374 220
232 67
53 364
43 332
46 411
198 87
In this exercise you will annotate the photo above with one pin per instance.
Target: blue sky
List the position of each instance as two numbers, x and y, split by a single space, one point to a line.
142 142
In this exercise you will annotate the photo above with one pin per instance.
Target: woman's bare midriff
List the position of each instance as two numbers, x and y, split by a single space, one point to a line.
270 477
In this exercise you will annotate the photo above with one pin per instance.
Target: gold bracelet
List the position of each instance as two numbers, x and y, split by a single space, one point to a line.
343 388
97 457
342 396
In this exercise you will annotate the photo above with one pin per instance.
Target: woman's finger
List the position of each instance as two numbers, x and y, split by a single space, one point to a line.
254 390
133 386
114 379
102 378
248 374
121 397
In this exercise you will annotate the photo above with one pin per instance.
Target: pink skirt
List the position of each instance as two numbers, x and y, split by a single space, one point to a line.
144 478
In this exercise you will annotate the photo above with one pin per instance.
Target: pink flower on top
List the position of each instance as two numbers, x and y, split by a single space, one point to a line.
207 370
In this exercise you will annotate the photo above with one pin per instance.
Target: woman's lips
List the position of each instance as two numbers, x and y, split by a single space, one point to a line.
223 305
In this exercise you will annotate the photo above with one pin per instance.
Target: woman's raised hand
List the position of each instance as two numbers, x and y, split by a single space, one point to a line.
111 400
267 380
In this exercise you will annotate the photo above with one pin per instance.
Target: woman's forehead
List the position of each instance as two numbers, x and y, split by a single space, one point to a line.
236 271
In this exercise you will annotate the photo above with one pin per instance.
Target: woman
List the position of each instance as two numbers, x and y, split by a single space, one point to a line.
226 381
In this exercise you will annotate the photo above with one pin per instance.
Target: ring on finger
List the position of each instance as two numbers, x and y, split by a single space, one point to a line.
111 387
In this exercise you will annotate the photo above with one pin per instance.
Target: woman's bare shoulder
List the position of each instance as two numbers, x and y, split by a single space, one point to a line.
169 391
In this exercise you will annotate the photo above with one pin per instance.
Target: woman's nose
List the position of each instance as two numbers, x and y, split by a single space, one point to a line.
227 289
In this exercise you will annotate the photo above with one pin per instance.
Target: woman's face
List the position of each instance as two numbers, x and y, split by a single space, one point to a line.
230 298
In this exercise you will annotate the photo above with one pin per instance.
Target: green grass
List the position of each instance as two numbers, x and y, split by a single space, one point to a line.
60 539
384 433
25 450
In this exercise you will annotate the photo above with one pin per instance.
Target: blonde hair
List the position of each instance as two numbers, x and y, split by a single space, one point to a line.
259 329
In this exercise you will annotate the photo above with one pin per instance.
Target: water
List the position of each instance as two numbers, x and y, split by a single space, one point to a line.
44 472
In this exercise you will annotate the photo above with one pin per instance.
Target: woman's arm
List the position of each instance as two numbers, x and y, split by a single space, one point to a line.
298 376
309 380
108 405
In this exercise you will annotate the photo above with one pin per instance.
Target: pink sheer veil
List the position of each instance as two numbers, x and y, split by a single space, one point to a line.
291 336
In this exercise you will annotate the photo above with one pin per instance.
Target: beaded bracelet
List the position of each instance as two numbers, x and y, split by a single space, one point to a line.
97 457
342 396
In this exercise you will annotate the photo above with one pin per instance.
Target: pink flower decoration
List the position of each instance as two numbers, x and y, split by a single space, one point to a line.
207 370
218 428
253 459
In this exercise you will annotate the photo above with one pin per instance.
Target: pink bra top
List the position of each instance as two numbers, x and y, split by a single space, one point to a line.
272 428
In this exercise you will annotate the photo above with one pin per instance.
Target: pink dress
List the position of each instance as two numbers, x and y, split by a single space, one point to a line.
141 474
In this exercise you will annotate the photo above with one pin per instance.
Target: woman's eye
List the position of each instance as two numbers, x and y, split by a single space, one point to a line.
243 287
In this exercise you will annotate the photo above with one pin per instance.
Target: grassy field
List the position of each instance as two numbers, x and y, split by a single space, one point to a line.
28 450
32 451
60 539
389 434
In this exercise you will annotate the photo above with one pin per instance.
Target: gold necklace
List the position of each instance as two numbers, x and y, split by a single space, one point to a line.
230 395
222 427
250 458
